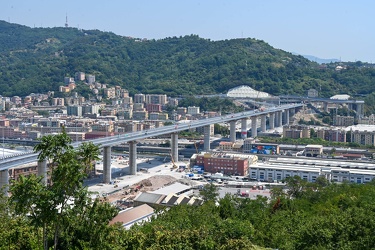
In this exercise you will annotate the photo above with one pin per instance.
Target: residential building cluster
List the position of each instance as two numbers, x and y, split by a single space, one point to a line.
38 114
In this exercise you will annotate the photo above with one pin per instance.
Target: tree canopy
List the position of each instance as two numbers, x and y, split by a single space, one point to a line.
38 59
61 215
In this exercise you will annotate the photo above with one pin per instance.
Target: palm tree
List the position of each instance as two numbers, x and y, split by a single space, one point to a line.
51 147
88 153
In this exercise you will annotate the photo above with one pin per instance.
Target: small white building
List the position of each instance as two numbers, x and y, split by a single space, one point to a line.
192 110
313 150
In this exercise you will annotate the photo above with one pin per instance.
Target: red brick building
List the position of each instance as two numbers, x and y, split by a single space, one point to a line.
231 164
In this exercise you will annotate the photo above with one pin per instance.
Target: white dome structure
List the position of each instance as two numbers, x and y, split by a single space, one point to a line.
245 91
340 97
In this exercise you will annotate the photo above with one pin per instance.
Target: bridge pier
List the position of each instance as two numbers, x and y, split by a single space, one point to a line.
206 139
42 171
292 112
359 110
279 118
286 116
4 181
244 128
107 164
272 120
254 132
232 127
174 147
132 157
263 126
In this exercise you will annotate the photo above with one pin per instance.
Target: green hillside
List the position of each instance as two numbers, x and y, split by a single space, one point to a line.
37 59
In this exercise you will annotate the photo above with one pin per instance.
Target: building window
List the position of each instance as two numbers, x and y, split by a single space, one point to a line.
261 176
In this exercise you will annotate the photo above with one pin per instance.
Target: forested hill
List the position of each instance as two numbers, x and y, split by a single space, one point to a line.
37 59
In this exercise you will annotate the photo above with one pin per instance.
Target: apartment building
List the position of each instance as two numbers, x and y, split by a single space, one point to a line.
79 76
296 131
139 98
140 115
192 110
156 99
110 93
74 110
200 130
337 135
150 107
343 120
370 120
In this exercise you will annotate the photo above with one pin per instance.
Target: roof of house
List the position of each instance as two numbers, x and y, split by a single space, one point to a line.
149 198
176 188
132 215
183 199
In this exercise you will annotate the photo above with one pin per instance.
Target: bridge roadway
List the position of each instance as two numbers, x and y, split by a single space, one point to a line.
12 161
319 99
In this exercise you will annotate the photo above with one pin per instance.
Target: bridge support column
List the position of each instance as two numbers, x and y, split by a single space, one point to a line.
277 119
243 128
4 181
272 120
350 106
292 112
132 157
207 138
286 117
280 118
232 135
107 164
263 123
359 110
254 126
42 171
325 106
174 147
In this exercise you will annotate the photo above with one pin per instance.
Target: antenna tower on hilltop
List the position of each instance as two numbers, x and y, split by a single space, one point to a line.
66 21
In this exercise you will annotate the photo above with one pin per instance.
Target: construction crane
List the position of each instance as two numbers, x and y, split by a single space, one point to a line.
173 163
196 147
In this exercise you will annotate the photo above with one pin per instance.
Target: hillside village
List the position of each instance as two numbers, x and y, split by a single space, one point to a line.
110 110
39 114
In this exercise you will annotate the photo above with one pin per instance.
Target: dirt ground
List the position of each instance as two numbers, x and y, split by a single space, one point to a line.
150 184
304 116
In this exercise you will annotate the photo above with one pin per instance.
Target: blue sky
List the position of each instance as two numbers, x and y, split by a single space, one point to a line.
322 28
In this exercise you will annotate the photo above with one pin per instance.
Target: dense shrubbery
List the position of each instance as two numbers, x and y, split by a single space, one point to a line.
318 215
309 216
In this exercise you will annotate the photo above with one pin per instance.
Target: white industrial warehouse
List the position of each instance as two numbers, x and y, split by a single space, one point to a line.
277 169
